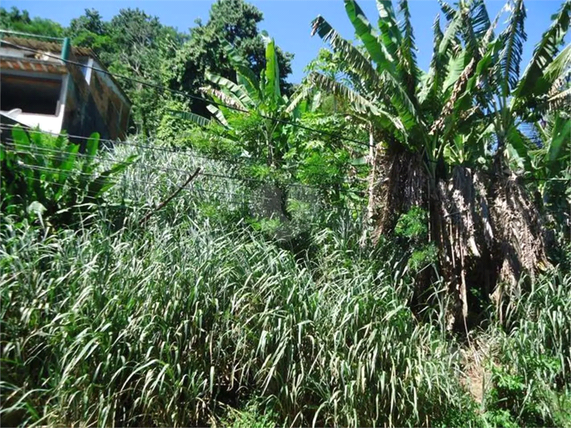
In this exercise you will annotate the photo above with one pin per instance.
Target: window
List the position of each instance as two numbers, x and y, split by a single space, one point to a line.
32 94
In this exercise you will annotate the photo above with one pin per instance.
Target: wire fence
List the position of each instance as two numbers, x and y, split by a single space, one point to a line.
159 171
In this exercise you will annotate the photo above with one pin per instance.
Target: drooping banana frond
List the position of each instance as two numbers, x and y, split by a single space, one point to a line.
388 26
545 51
298 97
223 98
195 118
449 39
518 143
432 83
359 103
245 76
352 57
241 98
559 70
218 114
369 37
407 51
559 100
367 110
513 38
402 103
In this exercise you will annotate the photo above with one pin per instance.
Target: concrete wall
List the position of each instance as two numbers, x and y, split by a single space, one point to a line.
46 122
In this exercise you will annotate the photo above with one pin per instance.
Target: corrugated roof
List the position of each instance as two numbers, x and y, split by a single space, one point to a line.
44 46
40 45
31 64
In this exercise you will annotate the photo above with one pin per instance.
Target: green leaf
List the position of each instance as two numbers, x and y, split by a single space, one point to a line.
104 182
561 136
513 38
545 51
187 115
272 83
370 39
246 76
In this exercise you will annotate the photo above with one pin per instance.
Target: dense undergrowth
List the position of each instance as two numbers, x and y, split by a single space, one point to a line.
201 317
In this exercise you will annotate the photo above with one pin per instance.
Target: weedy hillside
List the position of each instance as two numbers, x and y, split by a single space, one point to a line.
377 246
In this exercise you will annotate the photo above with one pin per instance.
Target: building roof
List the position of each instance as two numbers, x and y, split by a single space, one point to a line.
30 64
44 46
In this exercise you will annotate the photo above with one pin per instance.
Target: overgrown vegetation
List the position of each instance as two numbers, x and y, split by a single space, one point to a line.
127 300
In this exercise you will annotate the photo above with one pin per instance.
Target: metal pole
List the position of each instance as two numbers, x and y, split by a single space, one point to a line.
66 49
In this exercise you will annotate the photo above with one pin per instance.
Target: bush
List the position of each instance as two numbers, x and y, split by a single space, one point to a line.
46 177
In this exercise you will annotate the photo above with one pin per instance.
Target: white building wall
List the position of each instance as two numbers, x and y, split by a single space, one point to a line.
45 122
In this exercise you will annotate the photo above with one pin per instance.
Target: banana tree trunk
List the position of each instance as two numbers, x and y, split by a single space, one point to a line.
487 230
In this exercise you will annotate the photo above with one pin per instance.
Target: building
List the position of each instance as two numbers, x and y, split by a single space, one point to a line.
39 89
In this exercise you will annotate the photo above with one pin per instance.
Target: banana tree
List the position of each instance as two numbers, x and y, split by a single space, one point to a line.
259 98
257 117
445 139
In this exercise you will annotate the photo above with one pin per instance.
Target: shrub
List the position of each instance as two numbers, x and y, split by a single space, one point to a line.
46 177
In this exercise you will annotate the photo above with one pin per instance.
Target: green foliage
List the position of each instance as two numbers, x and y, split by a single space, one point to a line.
254 415
413 224
47 177
531 361
232 21
90 31
169 326
20 20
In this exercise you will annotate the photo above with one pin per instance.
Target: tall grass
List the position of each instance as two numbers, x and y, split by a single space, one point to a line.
170 325
194 318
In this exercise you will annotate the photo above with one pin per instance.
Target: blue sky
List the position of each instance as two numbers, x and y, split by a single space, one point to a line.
288 21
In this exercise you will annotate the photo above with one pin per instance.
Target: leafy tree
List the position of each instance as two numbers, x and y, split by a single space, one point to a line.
19 20
90 31
141 47
445 140
236 22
